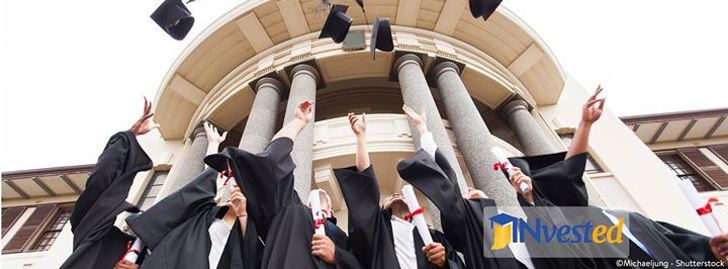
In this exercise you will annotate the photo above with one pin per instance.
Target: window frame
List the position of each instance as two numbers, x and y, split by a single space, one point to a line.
697 171
151 182
61 209
591 159
33 239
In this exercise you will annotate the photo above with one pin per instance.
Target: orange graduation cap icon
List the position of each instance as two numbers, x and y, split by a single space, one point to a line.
504 228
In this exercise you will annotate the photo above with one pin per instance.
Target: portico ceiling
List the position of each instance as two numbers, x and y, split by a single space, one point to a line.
248 32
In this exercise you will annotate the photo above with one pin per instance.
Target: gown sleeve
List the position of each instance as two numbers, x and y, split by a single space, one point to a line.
164 216
361 193
431 178
345 259
695 245
453 259
266 178
108 187
557 180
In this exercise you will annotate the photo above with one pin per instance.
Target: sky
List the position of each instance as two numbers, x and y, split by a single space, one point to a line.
74 72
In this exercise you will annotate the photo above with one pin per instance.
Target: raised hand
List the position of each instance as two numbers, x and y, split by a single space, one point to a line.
324 248
359 127
304 111
238 202
435 253
593 108
145 122
213 136
719 247
124 264
516 177
419 120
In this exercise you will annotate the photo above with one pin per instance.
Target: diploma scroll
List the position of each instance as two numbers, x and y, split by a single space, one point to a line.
417 218
506 165
133 253
701 207
319 218
228 189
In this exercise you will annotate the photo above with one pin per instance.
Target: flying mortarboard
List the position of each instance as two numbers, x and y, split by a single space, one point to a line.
483 8
381 38
174 18
337 24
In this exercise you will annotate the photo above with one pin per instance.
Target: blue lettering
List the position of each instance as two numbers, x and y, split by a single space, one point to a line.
563 235
577 235
550 236
587 232
533 231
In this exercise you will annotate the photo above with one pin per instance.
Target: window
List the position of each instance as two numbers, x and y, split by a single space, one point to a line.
683 170
34 228
592 166
46 239
152 189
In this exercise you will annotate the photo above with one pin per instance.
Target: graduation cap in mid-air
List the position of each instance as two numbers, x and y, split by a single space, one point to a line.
483 8
174 18
361 4
337 24
381 38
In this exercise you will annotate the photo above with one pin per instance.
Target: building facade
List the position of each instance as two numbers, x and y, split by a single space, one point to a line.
694 146
483 84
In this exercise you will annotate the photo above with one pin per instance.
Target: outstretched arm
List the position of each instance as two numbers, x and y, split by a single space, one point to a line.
427 142
304 114
359 127
214 139
591 112
237 209
145 122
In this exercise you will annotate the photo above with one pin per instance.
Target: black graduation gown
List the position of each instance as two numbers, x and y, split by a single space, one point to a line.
97 243
558 182
176 230
283 220
370 227
462 219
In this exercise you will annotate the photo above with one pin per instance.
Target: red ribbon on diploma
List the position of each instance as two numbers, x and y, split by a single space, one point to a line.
414 213
318 222
707 209
128 249
227 174
500 166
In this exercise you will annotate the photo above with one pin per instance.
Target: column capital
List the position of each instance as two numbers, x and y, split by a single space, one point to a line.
304 69
271 83
514 106
443 67
406 59
199 131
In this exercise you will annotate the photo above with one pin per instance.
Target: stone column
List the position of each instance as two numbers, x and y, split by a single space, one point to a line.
261 124
416 94
474 138
188 165
529 133
303 87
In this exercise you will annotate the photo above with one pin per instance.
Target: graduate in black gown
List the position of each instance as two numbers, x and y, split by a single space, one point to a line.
190 229
382 237
557 180
461 215
97 243
283 221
